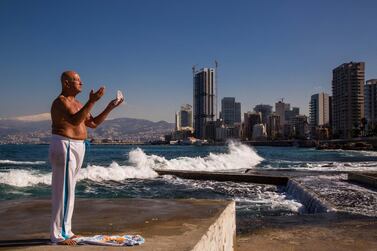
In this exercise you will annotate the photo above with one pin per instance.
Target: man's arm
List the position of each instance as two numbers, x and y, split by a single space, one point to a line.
94 122
80 116
76 118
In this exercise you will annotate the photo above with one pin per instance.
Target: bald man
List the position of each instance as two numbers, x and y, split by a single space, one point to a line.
67 149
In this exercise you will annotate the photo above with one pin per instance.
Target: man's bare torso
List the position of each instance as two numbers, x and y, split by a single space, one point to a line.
61 111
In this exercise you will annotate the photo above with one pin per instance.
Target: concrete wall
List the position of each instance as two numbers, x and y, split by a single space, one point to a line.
221 234
309 199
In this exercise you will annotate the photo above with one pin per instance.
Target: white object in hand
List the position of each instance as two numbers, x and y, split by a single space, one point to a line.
119 96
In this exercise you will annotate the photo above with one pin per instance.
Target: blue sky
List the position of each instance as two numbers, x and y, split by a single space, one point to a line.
266 50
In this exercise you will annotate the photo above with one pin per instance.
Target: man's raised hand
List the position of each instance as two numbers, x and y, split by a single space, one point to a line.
95 96
114 103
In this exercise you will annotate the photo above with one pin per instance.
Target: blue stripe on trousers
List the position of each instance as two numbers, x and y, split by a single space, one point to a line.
66 184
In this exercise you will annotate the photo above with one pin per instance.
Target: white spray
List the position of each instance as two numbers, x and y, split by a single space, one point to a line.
141 166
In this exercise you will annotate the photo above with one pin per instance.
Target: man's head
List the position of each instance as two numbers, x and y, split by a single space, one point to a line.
71 82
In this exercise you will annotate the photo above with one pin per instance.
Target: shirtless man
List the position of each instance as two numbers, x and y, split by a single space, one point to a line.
67 149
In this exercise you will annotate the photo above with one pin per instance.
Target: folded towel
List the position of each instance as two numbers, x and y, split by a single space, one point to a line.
111 240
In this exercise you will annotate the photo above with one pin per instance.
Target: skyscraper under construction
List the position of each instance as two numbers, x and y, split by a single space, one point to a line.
204 99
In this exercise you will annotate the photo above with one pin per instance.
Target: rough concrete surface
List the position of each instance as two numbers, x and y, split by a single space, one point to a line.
165 224
325 232
222 234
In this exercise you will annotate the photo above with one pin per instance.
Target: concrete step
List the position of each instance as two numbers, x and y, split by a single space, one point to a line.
166 225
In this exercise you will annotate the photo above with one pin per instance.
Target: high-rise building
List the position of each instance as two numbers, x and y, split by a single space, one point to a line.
250 119
230 111
291 113
265 110
259 132
177 121
280 109
319 109
348 98
237 117
183 118
330 111
204 99
298 126
370 95
320 115
228 108
273 126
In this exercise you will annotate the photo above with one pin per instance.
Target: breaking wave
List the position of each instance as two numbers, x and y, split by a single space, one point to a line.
142 166
24 178
239 156
13 162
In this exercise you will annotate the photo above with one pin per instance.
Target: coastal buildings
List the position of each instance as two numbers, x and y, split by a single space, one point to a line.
265 110
319 109
225 133
370 97
273 126
230 111
319 120
259 132
291 113
204 99
348 99
183 118
285 113
250 119
237 111
298 127
280 109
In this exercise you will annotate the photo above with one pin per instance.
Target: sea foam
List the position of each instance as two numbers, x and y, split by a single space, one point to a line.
141 166
24 178
13 162
239 156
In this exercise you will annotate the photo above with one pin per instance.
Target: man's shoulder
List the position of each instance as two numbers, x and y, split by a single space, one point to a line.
60 102
58 99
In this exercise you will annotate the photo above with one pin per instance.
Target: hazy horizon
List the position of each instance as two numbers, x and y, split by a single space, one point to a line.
266 51
46 116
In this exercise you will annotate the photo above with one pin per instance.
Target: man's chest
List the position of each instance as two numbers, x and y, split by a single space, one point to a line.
74 106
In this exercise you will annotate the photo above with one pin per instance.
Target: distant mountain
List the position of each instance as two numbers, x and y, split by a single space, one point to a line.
31 118
32 130
132 129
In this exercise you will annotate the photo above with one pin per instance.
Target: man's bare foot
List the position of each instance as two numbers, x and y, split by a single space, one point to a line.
68 242
75 236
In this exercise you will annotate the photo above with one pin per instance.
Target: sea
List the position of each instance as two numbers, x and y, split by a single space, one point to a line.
124 171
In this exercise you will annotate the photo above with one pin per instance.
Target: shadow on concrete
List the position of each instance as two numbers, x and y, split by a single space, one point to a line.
25 242
362 185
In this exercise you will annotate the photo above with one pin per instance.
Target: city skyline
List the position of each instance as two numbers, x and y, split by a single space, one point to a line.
266 51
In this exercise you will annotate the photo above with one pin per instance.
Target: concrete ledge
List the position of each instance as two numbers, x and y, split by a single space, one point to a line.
368 179
311 201
218 176
222 234
166 225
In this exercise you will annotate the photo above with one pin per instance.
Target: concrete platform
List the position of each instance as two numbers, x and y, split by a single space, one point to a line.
257 178
165 224
291 173
365 178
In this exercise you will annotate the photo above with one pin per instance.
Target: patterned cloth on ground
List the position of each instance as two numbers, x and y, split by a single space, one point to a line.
111 240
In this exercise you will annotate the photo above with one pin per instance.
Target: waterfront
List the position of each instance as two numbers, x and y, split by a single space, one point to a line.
121 171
